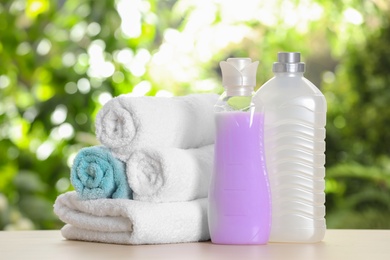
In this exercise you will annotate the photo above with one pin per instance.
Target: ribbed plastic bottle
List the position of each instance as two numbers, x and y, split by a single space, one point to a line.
294 133
239 196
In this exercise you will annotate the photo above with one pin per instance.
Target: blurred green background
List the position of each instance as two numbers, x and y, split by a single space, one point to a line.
60 61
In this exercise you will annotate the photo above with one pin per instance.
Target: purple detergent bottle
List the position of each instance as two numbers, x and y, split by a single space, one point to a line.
239 197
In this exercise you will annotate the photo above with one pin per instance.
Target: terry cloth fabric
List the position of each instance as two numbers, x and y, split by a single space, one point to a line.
170 174
123 221
96 173
127 122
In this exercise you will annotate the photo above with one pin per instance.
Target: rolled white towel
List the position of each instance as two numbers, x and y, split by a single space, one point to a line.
124 221
163 174
127 122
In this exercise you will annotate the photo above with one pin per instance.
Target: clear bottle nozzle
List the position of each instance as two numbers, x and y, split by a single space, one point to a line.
239 76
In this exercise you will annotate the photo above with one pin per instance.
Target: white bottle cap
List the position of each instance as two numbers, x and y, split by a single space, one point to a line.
239 76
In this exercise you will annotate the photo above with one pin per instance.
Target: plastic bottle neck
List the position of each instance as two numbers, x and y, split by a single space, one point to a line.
289 74
239 91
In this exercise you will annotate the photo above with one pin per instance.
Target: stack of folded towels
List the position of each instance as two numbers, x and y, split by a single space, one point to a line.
148 181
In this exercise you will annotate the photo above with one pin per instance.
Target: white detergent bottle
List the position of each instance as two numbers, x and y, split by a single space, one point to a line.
294 136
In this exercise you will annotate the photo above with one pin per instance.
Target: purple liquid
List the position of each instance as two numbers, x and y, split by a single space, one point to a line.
239 197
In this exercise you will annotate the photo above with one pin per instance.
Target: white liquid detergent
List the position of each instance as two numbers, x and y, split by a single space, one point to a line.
294 134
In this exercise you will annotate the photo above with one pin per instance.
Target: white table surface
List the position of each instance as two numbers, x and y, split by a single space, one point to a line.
337 244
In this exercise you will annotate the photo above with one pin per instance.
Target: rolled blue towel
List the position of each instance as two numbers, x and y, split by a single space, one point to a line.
96 174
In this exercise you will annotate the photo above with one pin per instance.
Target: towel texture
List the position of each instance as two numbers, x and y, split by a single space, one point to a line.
124 221
170 174
127 122
96 173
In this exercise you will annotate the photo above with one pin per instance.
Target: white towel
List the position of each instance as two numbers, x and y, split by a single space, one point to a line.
124 221
170 174
127 122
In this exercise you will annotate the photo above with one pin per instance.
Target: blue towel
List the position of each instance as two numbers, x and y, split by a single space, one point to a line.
96 174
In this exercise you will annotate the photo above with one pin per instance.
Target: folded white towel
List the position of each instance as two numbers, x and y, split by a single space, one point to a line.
127 122
162 174
124 221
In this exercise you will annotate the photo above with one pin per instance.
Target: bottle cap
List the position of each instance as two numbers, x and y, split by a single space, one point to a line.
289 62
239 76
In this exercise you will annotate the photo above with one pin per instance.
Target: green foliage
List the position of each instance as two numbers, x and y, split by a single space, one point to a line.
358 176
359 195
62 60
